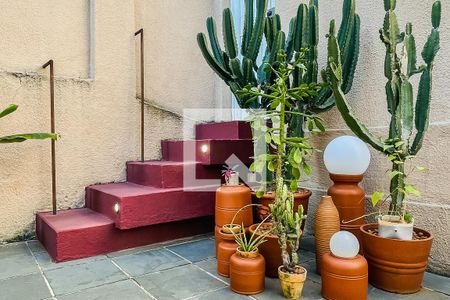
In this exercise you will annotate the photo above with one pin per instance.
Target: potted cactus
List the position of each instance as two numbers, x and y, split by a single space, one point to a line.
397 257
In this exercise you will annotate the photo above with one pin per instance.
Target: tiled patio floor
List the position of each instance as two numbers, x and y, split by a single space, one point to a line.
183 269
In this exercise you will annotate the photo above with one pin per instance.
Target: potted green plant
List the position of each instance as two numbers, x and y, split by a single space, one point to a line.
397 252
17 138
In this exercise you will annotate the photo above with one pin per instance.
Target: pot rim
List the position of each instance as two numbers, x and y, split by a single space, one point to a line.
364 228
302 192
251 255
251 230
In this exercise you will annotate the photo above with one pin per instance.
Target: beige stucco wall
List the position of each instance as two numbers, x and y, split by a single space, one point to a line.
98 119
432 210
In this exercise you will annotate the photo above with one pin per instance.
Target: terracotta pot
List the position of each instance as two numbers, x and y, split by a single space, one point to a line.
217 237
326 224
396 265
300 198
349 199
247 273
226 248
231 198
292 284
271 251
344 278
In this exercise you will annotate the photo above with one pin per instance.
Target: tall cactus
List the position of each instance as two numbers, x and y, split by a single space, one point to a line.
303 34
402 143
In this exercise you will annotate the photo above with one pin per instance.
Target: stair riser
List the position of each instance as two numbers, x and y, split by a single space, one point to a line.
217 151
223 131
170 176
104 239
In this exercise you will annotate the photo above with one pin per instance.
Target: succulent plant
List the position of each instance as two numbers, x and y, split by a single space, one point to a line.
403 142
303 34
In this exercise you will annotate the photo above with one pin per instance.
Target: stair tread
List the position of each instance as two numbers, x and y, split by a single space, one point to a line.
74 219
163 163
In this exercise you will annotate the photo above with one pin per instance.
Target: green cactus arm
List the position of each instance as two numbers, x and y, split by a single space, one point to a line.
389 4
334 73
278 45
258 30
248 26
313 23
247 71
229 37
436 14
235 65
409 49
301 27
351 56
201 40
268 33
213 40
431 47
346 27
406 105
289 48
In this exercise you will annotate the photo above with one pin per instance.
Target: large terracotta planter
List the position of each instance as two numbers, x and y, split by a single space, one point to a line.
292 284
326 224
349 199
396 265
247 273
271 251
300 198
227 247
344 278
229 199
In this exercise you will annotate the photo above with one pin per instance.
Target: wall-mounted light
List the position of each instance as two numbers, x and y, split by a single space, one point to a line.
204 148
116 208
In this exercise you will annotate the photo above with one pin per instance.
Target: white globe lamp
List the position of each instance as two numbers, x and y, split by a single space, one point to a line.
344 244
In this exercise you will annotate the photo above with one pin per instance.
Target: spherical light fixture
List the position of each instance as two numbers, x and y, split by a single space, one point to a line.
346 155
344 244
116 207
204 148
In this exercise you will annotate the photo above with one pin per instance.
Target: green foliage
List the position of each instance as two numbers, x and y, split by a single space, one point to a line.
303 34
409 122
17 138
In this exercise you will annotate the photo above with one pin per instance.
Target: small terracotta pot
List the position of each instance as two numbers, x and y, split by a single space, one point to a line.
271 251
300 198
226 248
344 278
247 272
217 237
326 224
229 199
292 284
396 265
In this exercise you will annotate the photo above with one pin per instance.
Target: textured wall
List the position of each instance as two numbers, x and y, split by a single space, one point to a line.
98 119
432 210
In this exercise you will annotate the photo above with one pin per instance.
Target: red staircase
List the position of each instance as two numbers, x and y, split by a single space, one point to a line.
153 205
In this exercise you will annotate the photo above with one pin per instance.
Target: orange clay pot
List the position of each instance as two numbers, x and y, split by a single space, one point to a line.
349 199
300 198
292 284
344 278
326 224
271 251
226 248
396 265
229 199
247 272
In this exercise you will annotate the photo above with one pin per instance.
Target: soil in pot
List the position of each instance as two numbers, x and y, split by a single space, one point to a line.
270 249
396 265
292 282
247 272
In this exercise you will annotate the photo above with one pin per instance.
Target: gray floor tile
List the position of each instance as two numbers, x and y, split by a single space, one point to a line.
222 294
376 294
311 291
36 246
210 266
45 261
116 291
307 243
305 256
16 260
149 261
179 283
24 287
72 278
195 251
437 283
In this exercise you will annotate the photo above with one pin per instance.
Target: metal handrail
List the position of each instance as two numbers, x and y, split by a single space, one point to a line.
52 126
141 33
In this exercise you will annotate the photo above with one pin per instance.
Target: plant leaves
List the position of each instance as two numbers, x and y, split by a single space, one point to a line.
298 156
376 197
411 190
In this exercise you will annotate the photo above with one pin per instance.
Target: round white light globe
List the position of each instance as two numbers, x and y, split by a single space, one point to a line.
344 244
346 155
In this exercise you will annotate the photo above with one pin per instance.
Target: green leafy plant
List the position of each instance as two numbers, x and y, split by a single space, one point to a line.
287 155
239 72
403 142
17 138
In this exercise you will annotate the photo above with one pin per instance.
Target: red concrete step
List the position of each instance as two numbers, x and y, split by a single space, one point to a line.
80 233
168 174
142 205
208 152
233 130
